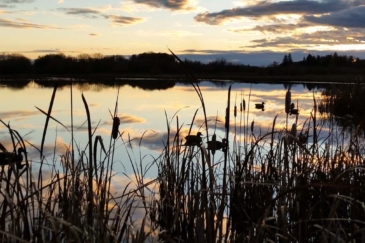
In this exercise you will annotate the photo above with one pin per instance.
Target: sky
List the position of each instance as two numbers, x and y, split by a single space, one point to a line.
245 31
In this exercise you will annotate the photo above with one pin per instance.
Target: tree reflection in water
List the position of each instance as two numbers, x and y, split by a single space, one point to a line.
344 104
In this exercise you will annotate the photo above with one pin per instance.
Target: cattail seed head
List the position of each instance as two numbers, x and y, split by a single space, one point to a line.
115 130
287 101
293 133
244 104
235 111
293 130
214 140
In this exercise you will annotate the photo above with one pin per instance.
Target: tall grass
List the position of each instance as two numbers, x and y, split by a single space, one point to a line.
73 201
303 182
281 187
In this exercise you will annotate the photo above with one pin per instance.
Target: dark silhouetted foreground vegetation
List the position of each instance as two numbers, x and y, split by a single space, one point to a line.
290 184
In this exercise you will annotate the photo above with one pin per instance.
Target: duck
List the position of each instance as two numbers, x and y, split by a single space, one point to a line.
292 110
8 158
192 140
217 145
260 106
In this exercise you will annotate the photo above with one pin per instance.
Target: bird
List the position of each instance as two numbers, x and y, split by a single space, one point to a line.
292 110
8 158
292 106
260 106
192 140
218 145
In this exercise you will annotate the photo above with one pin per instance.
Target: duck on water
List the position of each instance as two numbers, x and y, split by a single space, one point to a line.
260 106
8 158
192 140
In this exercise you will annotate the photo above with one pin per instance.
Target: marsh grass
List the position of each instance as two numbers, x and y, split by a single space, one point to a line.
290 184
279 186
73 201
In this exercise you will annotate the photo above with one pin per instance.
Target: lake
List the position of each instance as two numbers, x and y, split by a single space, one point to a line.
266 171
145 111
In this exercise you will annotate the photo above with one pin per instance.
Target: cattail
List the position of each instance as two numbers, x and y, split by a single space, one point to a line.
240 107
252 126
293 133
235 111
214 140
115 130
287 101
244 104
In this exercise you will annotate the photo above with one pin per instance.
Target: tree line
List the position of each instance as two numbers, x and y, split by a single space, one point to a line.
163 63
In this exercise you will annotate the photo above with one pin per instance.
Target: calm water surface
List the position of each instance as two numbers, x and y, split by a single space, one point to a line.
143 112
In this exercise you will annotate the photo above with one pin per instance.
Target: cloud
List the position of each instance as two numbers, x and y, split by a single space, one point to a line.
43 51
264 58
123 20
84 12
125 118
266 8
94 34
16 1
131 119
153 140
351 18
273 28
24 25
10 3
169 34
17 115
329 38
93 14
174 5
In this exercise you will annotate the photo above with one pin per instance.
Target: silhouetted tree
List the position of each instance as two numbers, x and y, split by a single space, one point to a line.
163 63
53 64
14 64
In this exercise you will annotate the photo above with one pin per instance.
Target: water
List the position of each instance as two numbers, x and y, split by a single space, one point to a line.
145 113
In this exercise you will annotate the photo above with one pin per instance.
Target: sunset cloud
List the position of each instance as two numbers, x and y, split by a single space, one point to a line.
210 29
125 118
272 28
12 3
84 12
16 1
13 115
123 20
173 5
21 24
266 8
94 14
350 18
330 38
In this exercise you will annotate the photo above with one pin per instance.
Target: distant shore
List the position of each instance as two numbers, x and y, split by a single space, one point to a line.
182 78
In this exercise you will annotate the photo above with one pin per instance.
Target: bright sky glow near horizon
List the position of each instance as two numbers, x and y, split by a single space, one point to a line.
188 27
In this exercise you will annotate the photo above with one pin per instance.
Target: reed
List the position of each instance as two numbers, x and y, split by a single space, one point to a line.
284 187
69 200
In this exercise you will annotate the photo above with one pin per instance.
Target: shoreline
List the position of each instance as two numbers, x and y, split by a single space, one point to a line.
243 78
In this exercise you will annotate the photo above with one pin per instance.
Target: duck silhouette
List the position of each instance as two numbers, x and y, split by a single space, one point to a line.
8 158
192 140
260 106
217 145
292 110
